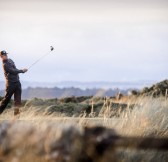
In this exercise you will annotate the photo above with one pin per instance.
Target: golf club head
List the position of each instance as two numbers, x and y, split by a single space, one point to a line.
52 48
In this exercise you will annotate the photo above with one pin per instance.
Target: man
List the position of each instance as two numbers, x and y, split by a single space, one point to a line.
13 85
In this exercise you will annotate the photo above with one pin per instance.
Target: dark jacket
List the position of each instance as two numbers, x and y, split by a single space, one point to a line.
10 71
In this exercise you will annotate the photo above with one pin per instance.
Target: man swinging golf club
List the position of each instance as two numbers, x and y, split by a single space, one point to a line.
13 85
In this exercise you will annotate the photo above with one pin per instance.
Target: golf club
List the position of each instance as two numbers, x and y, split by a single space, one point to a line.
51 49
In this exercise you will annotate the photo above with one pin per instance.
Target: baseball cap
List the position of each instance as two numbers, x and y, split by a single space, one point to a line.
4 53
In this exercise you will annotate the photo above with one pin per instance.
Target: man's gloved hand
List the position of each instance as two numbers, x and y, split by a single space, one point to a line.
25 70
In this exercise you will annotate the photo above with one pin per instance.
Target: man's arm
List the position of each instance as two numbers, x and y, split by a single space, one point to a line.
12 70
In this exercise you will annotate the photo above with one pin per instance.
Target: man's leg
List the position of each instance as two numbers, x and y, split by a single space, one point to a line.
17 98
9 92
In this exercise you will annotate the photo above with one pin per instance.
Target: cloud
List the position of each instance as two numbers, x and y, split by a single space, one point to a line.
94 40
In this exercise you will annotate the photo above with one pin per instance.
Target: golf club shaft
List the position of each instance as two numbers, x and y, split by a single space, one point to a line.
39 60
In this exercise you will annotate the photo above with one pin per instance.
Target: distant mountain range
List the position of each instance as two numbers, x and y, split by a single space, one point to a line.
66 89
47 93
84 85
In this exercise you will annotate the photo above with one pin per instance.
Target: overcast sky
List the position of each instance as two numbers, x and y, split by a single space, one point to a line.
94 40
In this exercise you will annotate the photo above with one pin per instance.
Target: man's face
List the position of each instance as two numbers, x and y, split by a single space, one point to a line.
4 57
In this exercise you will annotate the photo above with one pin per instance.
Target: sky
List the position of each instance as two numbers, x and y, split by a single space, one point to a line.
94 40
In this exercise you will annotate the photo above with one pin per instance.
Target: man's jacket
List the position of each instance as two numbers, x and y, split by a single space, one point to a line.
10 71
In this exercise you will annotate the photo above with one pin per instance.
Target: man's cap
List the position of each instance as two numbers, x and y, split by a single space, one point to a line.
4 53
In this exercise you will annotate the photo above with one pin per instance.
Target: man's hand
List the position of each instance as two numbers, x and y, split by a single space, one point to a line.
25 70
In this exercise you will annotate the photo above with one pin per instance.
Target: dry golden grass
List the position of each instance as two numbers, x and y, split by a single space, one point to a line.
38 137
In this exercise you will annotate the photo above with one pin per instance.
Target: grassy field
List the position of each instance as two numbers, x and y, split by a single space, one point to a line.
54 130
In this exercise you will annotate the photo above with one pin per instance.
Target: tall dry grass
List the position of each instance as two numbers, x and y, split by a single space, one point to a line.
38 137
